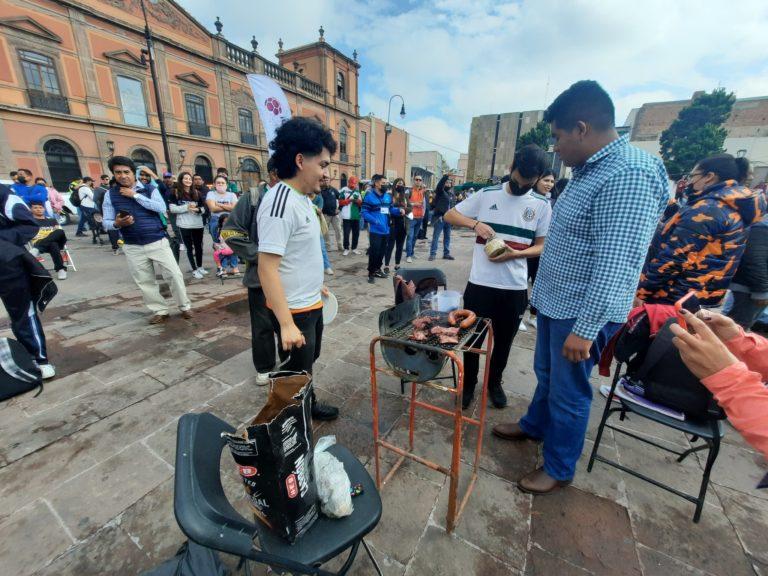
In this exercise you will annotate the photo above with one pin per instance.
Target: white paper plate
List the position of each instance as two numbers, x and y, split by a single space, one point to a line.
330 308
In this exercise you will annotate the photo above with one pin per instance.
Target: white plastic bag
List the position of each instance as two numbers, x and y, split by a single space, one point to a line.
333 485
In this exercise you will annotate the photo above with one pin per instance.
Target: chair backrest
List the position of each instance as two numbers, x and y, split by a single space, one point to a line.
202 510
419 274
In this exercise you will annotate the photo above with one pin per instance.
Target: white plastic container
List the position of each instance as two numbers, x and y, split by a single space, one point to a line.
446 300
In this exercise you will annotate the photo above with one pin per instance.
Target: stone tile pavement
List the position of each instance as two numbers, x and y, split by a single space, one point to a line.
86 469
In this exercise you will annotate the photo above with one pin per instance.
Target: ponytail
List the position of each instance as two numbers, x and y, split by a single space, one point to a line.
725 167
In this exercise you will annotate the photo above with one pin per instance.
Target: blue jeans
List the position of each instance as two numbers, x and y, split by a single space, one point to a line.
84 217
326 261
413 232
230 261
440 225
559 411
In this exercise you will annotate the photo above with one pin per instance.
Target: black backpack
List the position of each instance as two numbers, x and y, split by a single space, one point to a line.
191 560
18 370
654 364
74 197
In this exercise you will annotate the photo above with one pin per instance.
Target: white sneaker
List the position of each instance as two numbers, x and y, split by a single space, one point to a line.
329 271
409 260
358 252
182 247
47 370
197 274
203 270
523 327
345 253
62 274
35 252
262 378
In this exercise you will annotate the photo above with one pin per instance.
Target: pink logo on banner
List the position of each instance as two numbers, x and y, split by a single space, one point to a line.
273 106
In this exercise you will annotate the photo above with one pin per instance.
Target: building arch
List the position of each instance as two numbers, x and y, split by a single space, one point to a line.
143 156
203 166
250 173
63 163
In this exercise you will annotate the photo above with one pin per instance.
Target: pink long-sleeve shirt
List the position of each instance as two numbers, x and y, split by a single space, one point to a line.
740 389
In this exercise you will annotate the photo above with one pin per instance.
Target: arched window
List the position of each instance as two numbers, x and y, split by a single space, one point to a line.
343 179
143 157
203 168
62 164
343 142
250 172
245 122
341 85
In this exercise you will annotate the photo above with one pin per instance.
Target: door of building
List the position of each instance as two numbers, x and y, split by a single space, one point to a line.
62 164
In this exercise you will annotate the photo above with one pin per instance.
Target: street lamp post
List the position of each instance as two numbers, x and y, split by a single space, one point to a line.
153 71
388 129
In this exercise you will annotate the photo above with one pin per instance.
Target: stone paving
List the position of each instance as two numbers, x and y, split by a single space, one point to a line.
86 469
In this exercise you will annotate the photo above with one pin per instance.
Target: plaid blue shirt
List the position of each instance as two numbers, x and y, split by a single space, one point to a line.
601 227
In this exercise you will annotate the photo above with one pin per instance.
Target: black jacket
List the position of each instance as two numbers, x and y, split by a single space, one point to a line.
330 200
753 268
443 200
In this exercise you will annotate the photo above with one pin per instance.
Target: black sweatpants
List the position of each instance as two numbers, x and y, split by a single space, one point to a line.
395 240
262 332
311 326
53 244
504 308
378 245
193 242
16 294
352 226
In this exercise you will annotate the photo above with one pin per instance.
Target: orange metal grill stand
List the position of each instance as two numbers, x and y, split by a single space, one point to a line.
455 508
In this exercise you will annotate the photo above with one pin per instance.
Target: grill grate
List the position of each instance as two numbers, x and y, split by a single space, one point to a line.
404 331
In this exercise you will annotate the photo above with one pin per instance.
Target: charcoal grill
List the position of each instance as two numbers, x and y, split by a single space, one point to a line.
420 363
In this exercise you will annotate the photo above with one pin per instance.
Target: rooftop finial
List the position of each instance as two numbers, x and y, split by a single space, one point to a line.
322 34
354 55
279 45
219 26
254 44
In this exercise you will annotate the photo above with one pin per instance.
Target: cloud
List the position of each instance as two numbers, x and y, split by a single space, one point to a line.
455 59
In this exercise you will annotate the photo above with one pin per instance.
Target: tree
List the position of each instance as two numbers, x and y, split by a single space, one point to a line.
697 132
539 135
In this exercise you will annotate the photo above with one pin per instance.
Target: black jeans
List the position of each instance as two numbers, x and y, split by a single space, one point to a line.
396 239
533 270
504 308
263 346
352 226
378 245
114 236
53 244
744 310
193 242
311 326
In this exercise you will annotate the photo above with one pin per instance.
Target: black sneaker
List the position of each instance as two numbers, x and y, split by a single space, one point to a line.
324 412
80 234
448 257
380 274
386 269
371 280
498 397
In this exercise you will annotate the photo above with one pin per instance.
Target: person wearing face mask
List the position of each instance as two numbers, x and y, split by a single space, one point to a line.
498 286
697 248
26 189
220 201
397 225
377 208
442 202
418 203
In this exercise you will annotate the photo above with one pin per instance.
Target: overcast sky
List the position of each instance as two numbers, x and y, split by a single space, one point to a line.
455 59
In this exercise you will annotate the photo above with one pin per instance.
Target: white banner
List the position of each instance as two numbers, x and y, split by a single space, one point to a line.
271 102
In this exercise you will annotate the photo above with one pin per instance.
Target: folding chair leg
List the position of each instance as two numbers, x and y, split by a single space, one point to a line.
604 419
373 560
70 262
714 449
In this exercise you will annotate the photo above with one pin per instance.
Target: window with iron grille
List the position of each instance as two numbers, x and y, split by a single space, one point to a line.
42 82
198 123
343 143
245 121
341 86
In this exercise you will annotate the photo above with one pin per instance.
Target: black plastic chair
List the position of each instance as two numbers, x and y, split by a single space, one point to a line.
206 516
709 431
419 274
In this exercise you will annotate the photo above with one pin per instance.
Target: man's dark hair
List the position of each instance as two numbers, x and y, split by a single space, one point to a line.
221 170
585 101
376 178
87 179
530 161
299 136
103 176
270 165
121 161
13 174
25 170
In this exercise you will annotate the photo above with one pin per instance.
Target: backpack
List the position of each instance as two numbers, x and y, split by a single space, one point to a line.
18 370
191 560
655 366
74 197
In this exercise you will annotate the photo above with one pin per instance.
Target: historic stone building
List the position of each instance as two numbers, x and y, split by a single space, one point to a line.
372 130
76 88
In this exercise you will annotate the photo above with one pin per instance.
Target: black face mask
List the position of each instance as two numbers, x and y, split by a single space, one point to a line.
384 188
515 188
21 179
399 188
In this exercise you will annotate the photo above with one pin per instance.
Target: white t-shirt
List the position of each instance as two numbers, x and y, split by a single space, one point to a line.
288 226
226 198
346 211
518 220
86 197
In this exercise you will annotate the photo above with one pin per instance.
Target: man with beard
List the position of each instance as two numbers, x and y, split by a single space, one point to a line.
498 286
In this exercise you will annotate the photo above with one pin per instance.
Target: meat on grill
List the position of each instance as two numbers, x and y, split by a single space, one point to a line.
419 335
444 331
446 338
422 322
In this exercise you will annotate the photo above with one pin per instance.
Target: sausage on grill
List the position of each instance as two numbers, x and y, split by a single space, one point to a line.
464 318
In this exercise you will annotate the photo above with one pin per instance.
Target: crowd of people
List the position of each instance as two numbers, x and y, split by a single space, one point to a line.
590 249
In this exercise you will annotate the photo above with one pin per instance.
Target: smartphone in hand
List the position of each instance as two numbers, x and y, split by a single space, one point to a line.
689 302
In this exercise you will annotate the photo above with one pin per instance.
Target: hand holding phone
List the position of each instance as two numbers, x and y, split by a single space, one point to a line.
689 302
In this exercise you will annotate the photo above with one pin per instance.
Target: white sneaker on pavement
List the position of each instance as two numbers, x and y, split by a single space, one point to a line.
61 274
532 321
409 260
523 327
358 252
345 253
262 378
329 271
203 270
197 274
47 371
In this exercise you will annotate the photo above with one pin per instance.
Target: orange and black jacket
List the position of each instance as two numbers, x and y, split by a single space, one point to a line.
698 247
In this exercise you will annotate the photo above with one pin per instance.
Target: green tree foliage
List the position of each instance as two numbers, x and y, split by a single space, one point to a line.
697 132
539 135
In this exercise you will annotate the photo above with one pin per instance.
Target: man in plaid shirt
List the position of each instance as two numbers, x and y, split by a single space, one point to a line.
601 227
